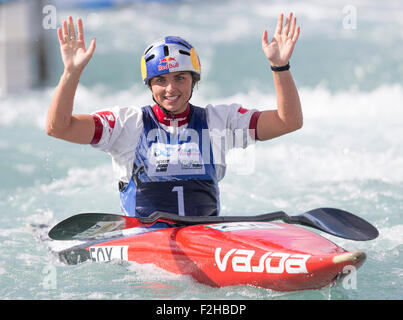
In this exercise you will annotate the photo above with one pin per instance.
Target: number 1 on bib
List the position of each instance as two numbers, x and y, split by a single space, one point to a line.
181 203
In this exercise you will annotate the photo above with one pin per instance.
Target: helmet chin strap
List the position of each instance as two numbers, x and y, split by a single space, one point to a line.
165 111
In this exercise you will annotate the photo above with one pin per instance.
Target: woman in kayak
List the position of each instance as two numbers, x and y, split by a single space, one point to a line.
170 156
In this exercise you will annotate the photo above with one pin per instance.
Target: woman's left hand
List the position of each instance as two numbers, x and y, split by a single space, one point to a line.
280 49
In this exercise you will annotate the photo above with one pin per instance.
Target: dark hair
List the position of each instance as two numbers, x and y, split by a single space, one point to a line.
195 79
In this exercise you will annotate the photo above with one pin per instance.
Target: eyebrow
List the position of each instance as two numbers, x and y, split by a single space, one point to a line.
180 74
163 76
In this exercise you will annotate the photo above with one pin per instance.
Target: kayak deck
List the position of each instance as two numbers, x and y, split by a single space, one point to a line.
276 256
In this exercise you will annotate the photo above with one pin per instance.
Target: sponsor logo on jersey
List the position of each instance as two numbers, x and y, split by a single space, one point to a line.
178 157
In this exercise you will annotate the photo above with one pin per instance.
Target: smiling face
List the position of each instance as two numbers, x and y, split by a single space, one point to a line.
172 91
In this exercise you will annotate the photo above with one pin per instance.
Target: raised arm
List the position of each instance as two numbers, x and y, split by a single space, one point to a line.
288 116
60 121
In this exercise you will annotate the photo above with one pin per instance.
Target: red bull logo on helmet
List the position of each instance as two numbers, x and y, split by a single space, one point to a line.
167 63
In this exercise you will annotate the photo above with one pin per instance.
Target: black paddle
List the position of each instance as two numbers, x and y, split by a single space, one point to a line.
337 222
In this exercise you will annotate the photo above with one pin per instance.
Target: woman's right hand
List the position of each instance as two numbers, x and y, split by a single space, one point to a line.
74 54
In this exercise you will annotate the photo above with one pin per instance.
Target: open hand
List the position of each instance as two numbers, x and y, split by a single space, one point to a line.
280 49
74 54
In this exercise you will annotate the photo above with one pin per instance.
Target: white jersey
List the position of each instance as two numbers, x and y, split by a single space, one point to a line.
118 131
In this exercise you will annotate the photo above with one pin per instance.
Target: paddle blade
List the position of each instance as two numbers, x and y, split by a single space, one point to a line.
339 223
89 225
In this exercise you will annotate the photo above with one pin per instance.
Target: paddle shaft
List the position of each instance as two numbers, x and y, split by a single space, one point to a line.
333 221
193 220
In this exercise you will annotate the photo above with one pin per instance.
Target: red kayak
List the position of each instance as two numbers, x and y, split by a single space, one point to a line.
273 255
